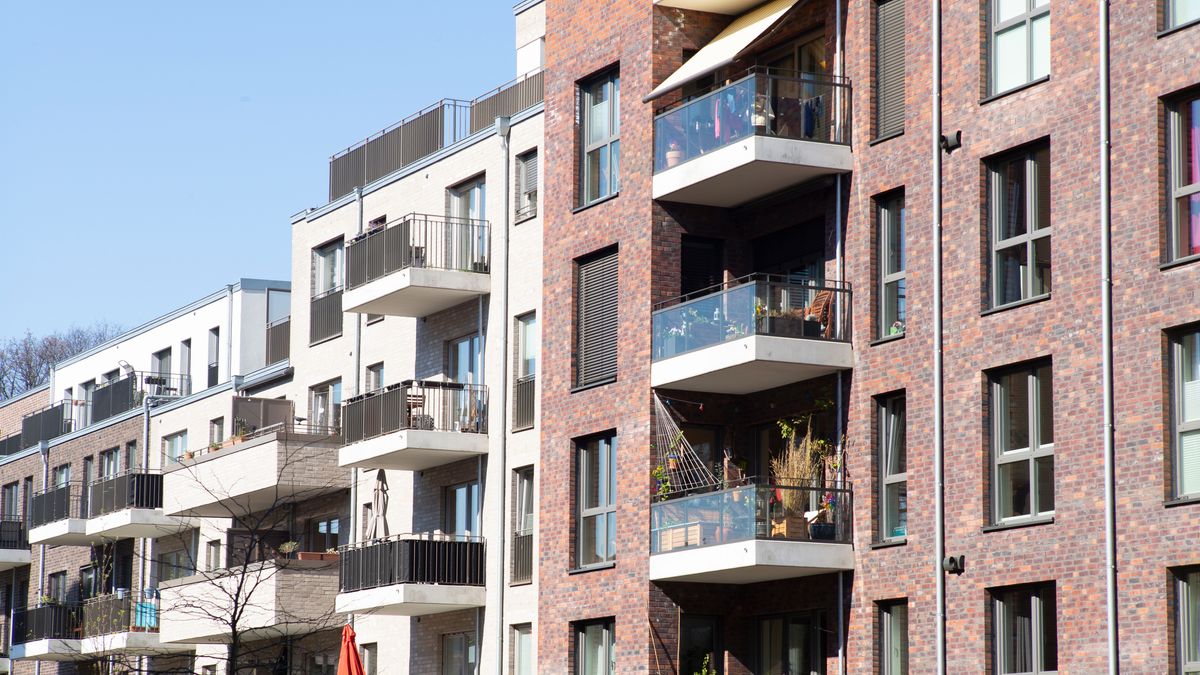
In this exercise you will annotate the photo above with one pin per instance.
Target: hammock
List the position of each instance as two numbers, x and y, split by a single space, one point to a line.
683 469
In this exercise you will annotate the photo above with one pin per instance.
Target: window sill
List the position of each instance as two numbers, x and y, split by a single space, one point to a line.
524 218
1008 92
593 385
1175 29
1179 262
1014 305
890 543
1018 524
324 340
885 340
515 584
592 568
517 431
598 202
1182 501
884 139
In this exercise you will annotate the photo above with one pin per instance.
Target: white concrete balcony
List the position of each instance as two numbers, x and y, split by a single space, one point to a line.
752 533
751 334
417 265
276 465
276 598
415 425
124 506
759 135
50 632
124 623
412 575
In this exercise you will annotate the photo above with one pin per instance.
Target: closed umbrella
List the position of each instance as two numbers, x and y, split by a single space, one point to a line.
348 661
378 528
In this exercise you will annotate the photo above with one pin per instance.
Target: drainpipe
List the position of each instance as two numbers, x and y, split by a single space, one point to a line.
1110 514
228 335
939 543
839 70
502 129
358 326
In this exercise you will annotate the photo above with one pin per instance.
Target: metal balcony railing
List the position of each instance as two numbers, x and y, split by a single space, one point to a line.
13 533
121 612
766 102
524 402
791 512
758 304
128 392
57 503
49 621
522 557
11 444
416 404
279 335
325 315
133 489
412 559
49 422
417 240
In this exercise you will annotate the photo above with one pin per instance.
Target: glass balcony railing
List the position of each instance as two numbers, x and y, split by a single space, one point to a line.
766 102
758 304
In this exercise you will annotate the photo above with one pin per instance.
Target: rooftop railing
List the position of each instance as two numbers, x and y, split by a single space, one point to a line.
417 240
412 559
765 102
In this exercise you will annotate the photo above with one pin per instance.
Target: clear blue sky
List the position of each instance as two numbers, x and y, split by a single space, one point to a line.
151 152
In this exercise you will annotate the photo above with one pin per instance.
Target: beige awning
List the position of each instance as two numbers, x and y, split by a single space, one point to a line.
727 46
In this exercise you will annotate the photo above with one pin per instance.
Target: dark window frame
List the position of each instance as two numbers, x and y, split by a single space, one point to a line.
1036 595
607 144
605 446
1036 449
1031 207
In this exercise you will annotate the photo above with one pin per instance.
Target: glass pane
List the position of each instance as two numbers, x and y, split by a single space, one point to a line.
597 173
697 636
1045 481
597 119
1041 267
1187 228
1184 11
894 311
616 106
1010 274
1014 411
897 656
1189 375
1007 9
770 647
1045 384
1013 489
616 166
1016 632
593 650
589 476
1041 173
524 651
1013 193
587 542
896 510
1189 136
894 256
1039 65
1189 463
1049 636
1010 59
798 657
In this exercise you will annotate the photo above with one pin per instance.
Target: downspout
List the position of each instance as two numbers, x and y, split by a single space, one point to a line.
502 129
228 336
939 543
839 68
44 450
1110 507
358 324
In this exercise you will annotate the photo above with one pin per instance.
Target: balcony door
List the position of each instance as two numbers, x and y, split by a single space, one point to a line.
461 516
790 645
800 107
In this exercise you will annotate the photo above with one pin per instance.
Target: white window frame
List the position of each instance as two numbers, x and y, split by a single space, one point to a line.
889 614
527 191
1179 425
608 658
328 270
1185 621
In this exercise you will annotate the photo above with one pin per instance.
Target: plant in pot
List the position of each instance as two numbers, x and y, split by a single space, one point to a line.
674 154
797 470
287 548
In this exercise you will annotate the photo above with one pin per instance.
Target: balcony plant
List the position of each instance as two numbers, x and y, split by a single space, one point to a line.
798 469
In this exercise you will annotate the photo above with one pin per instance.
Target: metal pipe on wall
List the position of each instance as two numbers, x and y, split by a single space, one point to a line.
357 390
939 543
502 129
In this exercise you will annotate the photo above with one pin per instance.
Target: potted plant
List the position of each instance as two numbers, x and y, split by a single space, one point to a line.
674 154
287 548
800 465
190 455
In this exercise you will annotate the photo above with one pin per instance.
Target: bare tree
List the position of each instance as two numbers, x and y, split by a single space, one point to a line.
25 361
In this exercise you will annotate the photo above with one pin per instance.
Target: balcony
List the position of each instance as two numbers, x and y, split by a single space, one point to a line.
128 392
764 133
279 336
752 533
14 544
128 505
415 425
278 464
48 632
751 334
58 517
412 575
123 623
49 422
276 598
417 265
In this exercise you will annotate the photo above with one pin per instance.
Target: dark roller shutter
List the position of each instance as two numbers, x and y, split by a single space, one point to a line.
596 320
889 67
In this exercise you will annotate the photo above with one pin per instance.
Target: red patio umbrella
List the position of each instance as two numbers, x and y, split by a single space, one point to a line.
348 661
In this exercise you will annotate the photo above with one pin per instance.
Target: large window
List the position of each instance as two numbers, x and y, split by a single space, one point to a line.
1185 412
1019 213
522 637
468 200
327 267
10 501
699 644
600 102
459 656
526 186
893 314
462 359
1024 630
325 404
175 445
1179 12
175 565
893 637
1020 43
1183 171
1023 442
596 319
889 68
790 644
595 648
461 516
1187 602
596 479
327 533
893 469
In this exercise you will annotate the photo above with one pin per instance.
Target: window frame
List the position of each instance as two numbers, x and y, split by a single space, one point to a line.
526 201
470 648
1176 189
1170 23
592 300
605 512
996 27
374 377
528 334
322 256
887 418
1178 425
473 513
610 141
878 72
887 624
1031 204
1035 594
1036 448
609 643
520 667
1183 622
332 389
887 209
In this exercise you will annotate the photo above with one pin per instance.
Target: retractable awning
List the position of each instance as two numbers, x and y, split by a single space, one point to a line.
731 43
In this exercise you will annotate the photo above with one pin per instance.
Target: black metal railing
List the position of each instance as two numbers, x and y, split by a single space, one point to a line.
43 622
13 533
11 444
121 612
758 304
412 559
522 557
417 240
133 489
279 335
416 404
214 373
325 315
766 102
524 402
47 423
55 504
128 392
784 510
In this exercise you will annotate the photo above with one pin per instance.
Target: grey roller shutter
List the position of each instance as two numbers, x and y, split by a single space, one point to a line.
889 67
596 320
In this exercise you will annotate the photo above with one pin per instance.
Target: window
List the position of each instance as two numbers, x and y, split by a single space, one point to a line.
528 341
523 522
522 638
699 649
468 200
789 644
10 501
89 582
596 478
61 475
368 653
212 555
1023 442
1020 43
131 455
28 492
325 404
526 185
87 392
110 462
1187 623
214 356
216 430
327 267
600 140
174 446
893 314
56 586
595 648
889 68
462 509
458 654
1185 411
1024 630
185 367
1019 212
175 565
327 533
1183 171
462 362
596 319
893 637
1179 12
324 663
374 377
893 469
